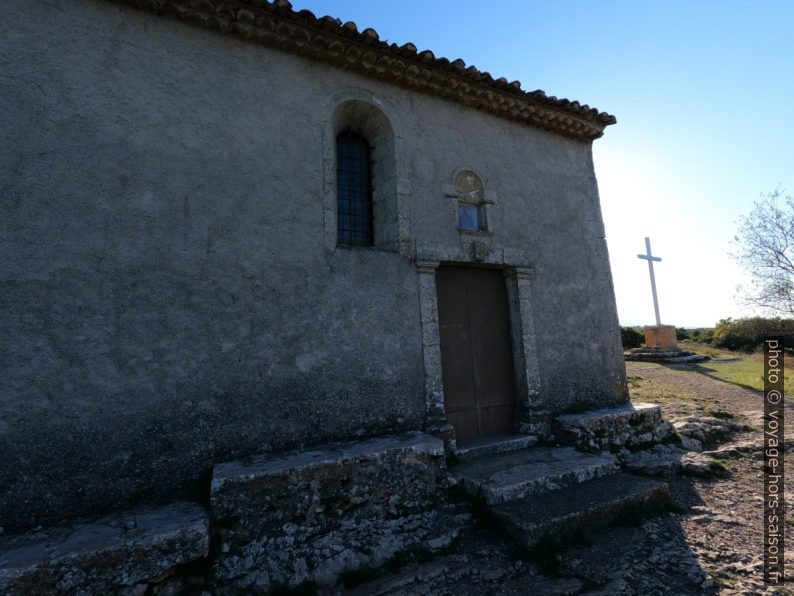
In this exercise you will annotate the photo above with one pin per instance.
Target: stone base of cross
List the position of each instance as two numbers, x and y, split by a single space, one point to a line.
660 337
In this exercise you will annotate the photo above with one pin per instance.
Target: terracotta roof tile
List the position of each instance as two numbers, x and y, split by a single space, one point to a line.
277 25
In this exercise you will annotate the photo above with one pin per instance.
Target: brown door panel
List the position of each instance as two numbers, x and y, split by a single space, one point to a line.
476 352
496 419
465 424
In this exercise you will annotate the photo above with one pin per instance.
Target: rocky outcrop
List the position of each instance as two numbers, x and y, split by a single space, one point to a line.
688 456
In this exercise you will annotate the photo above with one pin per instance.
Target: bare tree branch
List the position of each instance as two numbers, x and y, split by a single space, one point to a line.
765 249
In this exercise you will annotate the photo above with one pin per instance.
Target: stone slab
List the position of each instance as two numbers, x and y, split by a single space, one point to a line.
660 460
284 519
665 355
509 476
104 556
486 446
629 425
587 506
675 351
274 464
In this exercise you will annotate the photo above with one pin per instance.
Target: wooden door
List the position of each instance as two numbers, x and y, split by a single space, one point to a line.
476 351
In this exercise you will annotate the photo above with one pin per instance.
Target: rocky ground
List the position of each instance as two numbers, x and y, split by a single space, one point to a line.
710 543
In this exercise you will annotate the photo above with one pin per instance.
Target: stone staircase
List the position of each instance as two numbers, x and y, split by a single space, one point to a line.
538 492
282 519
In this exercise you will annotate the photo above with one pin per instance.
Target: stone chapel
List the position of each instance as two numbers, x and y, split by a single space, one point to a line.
232 228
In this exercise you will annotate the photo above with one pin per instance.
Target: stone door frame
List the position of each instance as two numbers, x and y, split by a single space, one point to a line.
532 415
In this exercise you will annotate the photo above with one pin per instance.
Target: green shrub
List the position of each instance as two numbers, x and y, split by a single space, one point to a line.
681 333
748 334
631 338
703 336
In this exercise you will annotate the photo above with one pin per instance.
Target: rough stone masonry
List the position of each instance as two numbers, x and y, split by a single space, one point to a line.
173 295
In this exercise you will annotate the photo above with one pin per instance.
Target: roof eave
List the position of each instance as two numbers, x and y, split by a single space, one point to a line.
276 25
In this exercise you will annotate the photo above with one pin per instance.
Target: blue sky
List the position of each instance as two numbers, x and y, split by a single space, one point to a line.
704 97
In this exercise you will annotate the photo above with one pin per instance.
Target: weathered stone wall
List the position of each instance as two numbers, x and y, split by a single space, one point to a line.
169 296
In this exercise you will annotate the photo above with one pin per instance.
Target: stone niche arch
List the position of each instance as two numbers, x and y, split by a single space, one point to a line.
470 202
362 112
469 184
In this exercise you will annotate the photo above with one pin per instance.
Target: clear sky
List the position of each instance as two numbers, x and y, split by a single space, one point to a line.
704 96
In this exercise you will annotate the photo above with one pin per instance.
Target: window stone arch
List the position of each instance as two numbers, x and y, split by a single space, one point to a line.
361 112
471 202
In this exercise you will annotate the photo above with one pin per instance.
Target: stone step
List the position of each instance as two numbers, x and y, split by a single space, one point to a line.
581 508
111 555
510 476
286 519
629 425
487 446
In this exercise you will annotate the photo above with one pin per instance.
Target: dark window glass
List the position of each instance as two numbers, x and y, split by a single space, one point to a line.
354 190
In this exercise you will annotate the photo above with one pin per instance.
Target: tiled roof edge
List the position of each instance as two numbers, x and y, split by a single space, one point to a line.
276 25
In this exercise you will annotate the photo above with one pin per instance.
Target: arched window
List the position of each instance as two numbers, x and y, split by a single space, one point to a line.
354 189
471 202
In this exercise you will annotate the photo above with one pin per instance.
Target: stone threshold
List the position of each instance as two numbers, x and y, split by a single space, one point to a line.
486 446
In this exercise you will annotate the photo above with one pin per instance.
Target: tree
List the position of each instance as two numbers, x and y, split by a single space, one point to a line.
765 248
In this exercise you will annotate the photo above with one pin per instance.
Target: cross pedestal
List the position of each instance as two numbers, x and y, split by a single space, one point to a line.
660 337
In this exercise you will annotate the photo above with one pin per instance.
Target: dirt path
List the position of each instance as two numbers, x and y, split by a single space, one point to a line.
723 526
680 388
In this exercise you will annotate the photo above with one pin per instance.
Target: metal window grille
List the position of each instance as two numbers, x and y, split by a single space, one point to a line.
354 190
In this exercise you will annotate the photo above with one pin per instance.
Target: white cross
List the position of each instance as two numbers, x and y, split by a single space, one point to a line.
650 260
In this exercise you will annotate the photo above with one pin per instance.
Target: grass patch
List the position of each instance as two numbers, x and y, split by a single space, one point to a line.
746 371
723 579
657 392
634 381
720 466
705 349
